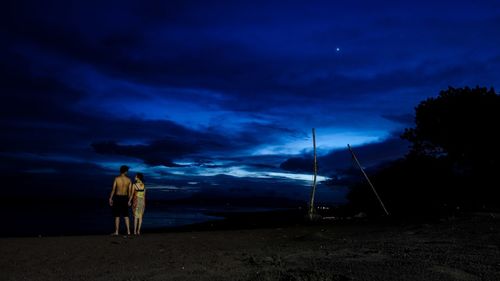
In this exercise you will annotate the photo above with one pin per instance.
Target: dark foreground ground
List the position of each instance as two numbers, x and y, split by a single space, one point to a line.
463 248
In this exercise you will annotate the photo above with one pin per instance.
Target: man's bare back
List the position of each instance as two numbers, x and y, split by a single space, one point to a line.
122 185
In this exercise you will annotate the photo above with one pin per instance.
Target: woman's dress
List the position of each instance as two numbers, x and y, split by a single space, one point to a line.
139 202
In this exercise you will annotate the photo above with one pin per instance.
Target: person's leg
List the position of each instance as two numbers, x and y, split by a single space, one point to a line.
135 225
127 224
117 225
139 225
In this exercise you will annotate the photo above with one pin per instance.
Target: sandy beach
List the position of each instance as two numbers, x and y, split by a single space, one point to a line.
465 248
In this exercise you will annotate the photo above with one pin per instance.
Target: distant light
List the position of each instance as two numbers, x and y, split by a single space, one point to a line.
338 49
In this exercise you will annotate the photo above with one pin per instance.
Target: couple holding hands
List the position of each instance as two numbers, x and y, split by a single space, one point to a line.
126 194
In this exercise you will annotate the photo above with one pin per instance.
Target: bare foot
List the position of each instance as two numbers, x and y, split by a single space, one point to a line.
114 234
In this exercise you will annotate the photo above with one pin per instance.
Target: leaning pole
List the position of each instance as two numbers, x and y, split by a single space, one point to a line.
313 189
367 179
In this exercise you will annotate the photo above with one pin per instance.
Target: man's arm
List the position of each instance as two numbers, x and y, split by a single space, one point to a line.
112 193
130 193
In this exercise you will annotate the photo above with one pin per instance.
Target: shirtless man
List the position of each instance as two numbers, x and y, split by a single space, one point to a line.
119 199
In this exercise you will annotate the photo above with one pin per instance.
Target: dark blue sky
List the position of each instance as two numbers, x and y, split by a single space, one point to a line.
187 91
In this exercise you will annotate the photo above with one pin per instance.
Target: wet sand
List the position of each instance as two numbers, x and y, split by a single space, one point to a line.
465 248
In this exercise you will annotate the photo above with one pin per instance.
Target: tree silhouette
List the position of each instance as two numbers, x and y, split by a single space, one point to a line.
461 124
453 162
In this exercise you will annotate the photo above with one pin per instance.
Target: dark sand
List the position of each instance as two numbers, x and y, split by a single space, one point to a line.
465 248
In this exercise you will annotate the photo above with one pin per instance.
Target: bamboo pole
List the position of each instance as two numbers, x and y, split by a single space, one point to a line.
313 190
367 179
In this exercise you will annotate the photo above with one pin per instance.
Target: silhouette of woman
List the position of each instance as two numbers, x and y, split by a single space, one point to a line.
139 202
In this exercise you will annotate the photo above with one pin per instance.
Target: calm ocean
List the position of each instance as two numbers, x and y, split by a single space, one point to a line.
54 217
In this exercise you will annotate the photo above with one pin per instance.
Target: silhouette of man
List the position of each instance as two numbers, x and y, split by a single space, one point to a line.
119 199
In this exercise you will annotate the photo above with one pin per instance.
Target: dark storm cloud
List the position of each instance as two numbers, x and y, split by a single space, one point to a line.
39 117
241 75
157 153
177 48
39 120
183 142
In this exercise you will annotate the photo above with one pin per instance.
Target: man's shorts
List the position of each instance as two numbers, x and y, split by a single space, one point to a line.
120 206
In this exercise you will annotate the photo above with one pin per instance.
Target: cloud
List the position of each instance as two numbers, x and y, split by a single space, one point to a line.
332 163
404 119
249 77
183 143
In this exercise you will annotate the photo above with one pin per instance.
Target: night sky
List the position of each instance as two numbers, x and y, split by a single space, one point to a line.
201 94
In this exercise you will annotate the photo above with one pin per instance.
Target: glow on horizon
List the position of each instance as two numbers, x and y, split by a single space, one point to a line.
170 187
303 177
199 171
234 171
325 141
241 172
